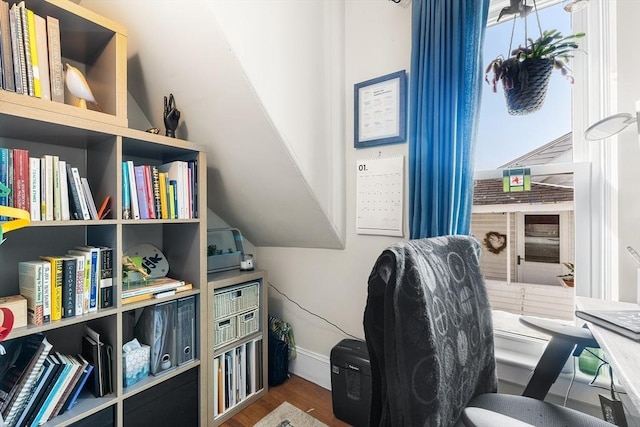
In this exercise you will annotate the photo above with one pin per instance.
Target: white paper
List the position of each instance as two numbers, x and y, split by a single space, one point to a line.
380 196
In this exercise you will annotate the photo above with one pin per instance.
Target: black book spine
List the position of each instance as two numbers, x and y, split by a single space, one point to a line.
69 287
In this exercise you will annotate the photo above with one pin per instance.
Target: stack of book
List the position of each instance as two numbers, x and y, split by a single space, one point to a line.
152 288
48 187
41 384
30 53
62 286
167 191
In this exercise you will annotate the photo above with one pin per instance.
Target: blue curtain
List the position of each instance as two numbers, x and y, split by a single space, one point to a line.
445 88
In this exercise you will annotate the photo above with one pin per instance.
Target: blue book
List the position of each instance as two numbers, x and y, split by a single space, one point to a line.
174 183
78 388
47 406
47 371
126 192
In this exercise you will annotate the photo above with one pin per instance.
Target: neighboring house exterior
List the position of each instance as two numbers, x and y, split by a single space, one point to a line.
527 236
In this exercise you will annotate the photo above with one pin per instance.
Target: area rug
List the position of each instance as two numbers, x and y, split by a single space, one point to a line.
287 415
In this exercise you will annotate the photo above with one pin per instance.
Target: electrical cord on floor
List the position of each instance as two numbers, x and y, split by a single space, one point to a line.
312 313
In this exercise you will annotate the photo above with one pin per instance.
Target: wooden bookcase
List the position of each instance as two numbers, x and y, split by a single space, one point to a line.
97 143
252 341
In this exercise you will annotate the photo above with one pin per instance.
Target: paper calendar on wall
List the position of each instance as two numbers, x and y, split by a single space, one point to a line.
379 196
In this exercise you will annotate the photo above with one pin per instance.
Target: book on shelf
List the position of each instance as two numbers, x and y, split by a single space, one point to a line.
80 281
148 186
133 191
624 322
24 22
106 277
164 210
99 354
91 204
150 286
69 271
17 43
75 373
155 184
151 295
105 208
31 282
56 73
35 394
57 199
73 397
34 183
21 186
4 177
43 56
8 76
126 192
32 53
75 209
64 191
28 354
86 278
56 285
94 282
49 401
178 171
46 178
141 192
173 200
81 196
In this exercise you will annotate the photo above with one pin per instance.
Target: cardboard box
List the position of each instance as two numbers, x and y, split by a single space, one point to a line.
18 305
135 365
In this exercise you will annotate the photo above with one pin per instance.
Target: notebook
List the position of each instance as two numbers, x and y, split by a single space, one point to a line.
624 322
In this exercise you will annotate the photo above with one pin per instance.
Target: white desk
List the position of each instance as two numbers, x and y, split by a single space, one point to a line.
621 352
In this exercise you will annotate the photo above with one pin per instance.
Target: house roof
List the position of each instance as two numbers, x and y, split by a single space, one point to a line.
489 192
544 154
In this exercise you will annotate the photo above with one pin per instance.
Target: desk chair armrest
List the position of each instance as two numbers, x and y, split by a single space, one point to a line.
565 340
478 417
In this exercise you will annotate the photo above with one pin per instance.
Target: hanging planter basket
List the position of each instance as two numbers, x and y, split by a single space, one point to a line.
526 70
525 89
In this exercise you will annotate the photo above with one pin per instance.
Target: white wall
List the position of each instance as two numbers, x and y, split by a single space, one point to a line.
333 283
292 53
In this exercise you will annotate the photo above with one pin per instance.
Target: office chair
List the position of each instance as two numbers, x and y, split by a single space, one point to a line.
429 333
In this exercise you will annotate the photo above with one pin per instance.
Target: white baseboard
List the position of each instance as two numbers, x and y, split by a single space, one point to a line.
312 366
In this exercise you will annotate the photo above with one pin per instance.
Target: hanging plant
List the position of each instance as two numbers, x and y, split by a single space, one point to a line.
525 73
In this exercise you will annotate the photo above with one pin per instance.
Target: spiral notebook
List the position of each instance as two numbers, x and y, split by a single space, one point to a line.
624 322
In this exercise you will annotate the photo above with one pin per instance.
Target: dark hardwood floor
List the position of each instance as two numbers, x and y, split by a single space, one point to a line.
303 394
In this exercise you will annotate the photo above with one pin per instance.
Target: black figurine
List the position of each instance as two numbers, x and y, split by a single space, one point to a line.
171 116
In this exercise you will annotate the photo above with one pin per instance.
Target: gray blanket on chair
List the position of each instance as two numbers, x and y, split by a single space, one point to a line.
429 333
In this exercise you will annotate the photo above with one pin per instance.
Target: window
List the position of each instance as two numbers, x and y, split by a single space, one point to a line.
536 227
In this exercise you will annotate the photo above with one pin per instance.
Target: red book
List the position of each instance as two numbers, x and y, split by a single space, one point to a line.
21 179
148 187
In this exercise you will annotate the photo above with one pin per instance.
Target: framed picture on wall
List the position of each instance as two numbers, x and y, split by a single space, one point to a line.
380 113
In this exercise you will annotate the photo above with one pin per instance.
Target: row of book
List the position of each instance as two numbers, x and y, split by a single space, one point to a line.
41 383
167 191
47 187
30 53
237 374
56 287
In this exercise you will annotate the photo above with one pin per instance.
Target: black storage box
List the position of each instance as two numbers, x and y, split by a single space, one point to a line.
351 382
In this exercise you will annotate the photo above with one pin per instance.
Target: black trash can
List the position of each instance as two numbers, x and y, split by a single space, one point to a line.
351 382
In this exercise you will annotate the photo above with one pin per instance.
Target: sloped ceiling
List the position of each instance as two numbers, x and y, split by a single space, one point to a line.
254 183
